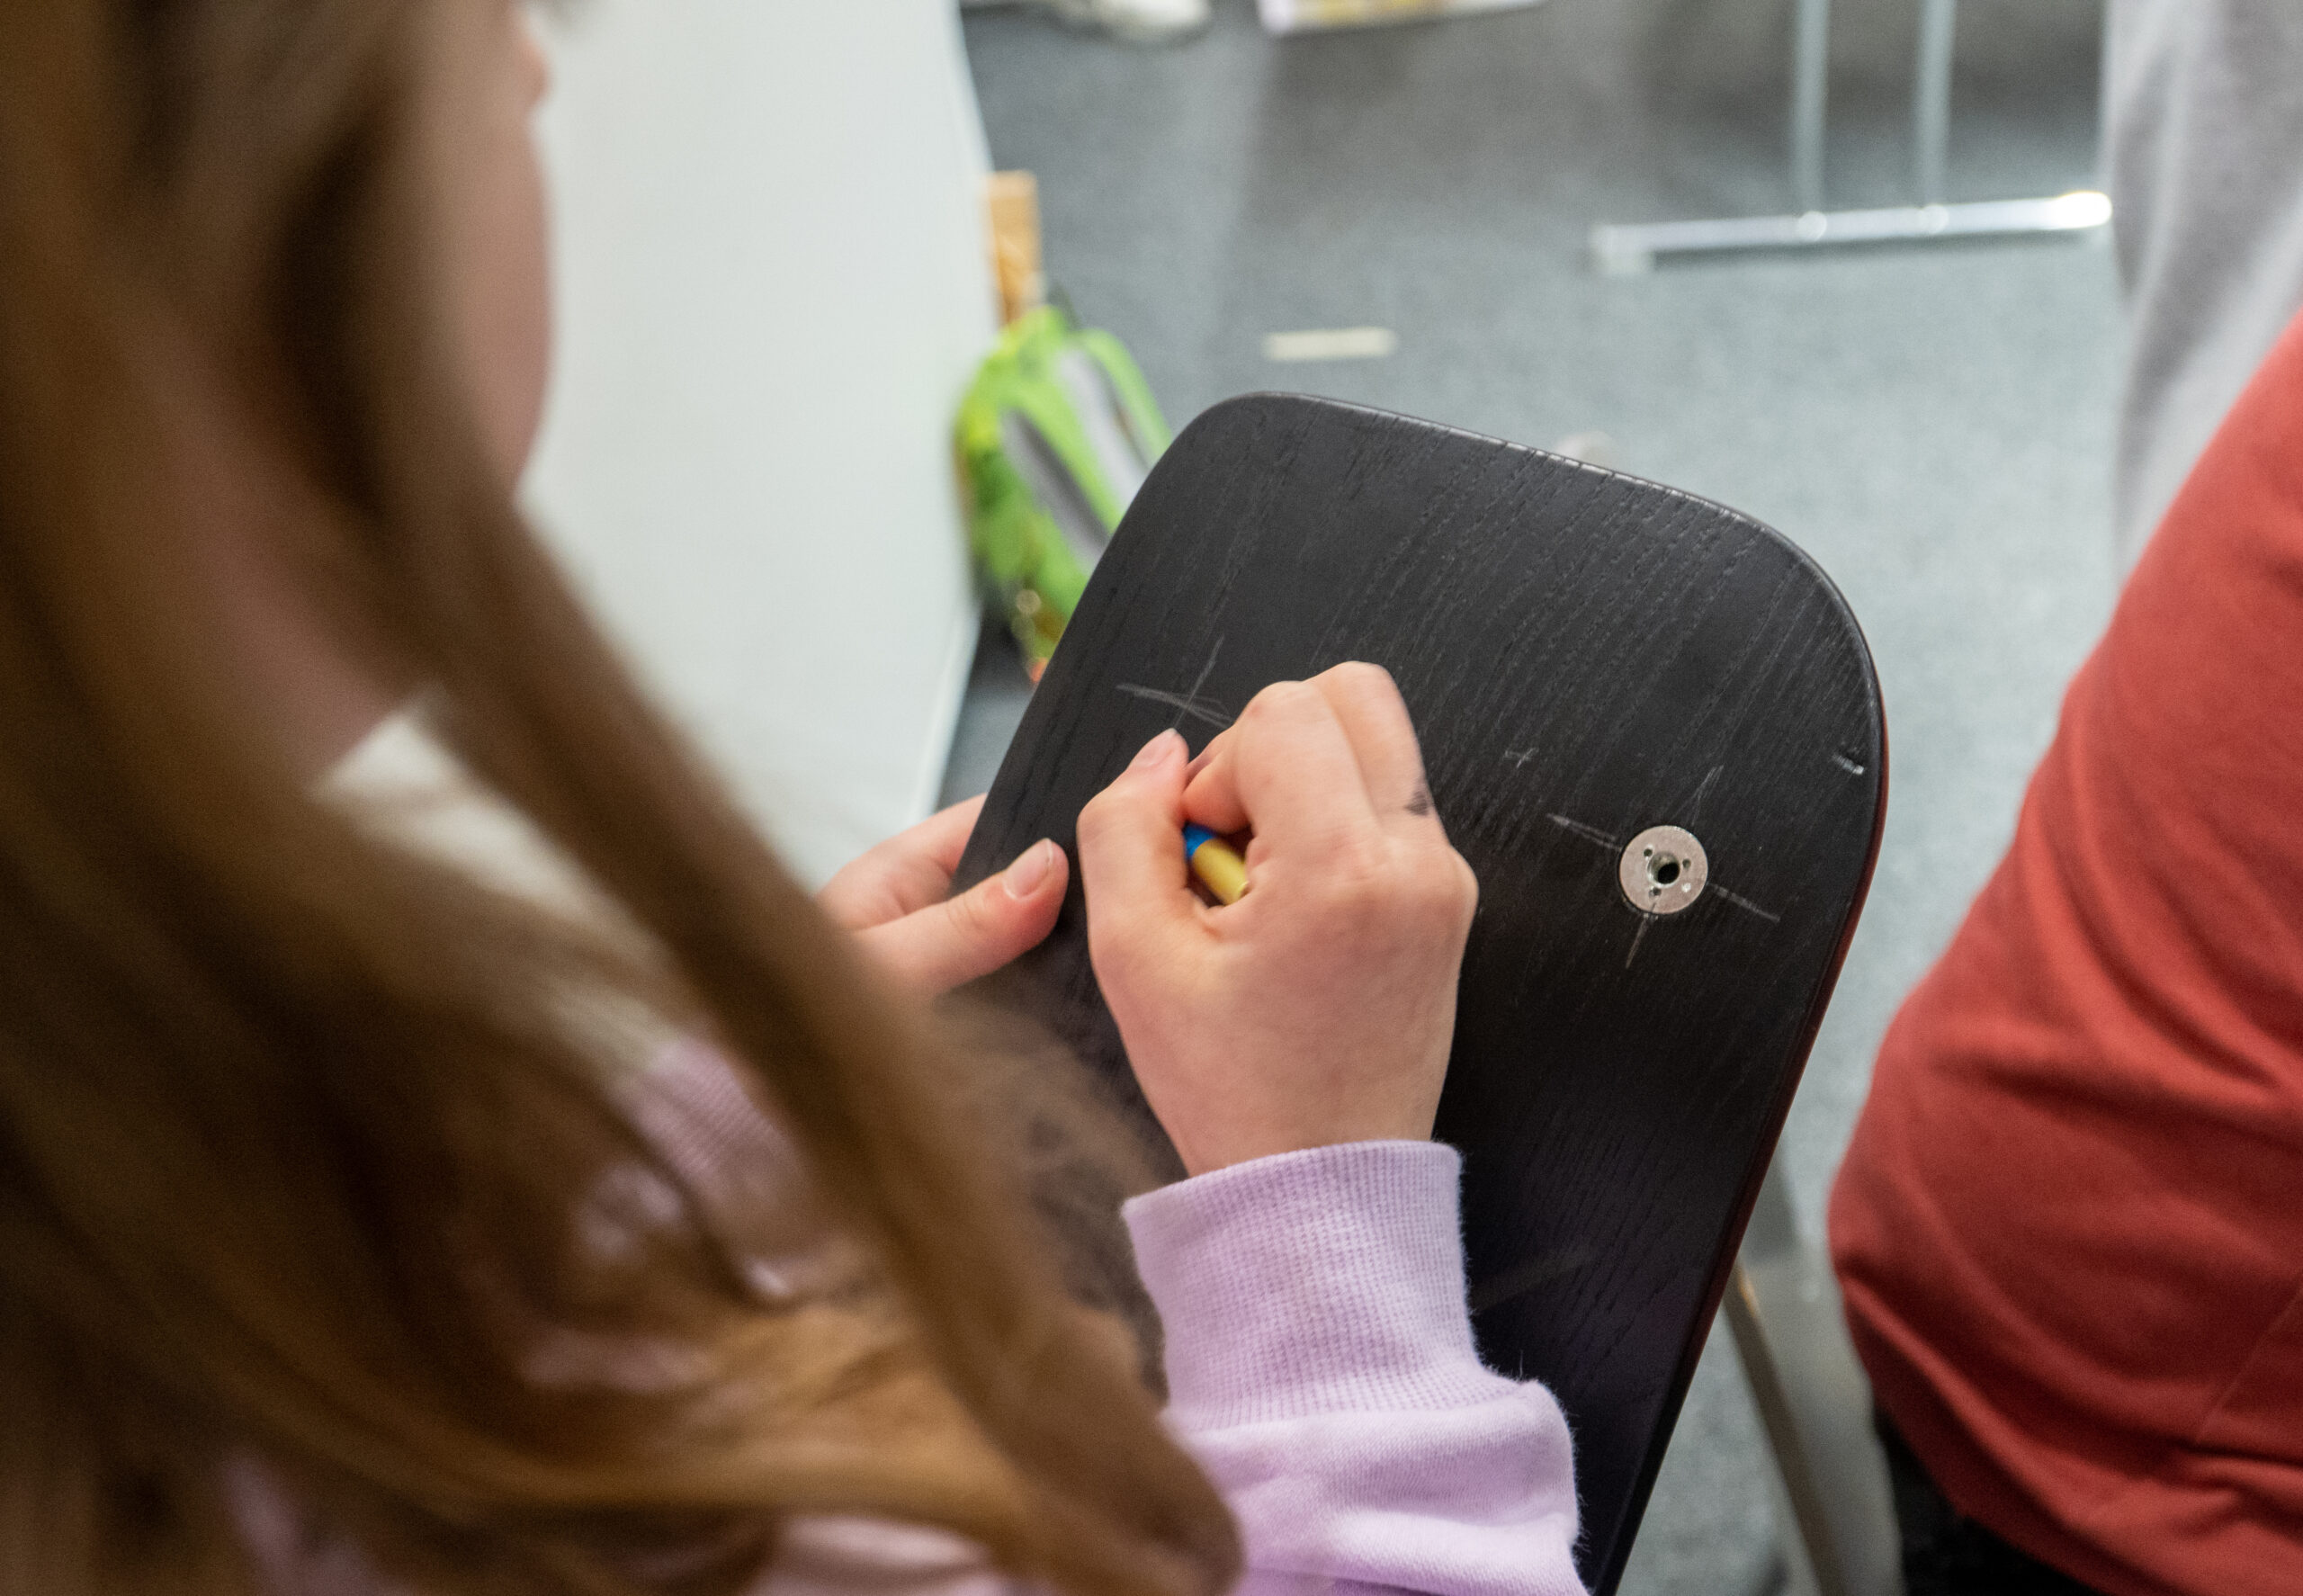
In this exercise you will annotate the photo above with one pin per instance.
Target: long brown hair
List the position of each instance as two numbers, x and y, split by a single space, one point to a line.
294 1122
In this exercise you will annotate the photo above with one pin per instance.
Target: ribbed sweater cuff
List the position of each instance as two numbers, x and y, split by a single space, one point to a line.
1324 1281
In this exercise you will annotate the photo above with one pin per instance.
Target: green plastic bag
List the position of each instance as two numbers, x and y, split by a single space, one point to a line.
1053 438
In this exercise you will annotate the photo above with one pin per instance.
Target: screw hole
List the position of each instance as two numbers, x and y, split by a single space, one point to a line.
1664 870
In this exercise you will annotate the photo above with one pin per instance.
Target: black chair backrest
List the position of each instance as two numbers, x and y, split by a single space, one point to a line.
1586 656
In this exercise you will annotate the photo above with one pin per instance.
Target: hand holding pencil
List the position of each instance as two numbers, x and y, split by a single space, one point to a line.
1320 1006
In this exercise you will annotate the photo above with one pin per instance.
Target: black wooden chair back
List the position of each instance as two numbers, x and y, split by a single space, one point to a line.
1588 658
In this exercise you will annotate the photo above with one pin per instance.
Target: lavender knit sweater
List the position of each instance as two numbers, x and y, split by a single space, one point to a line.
1320 1367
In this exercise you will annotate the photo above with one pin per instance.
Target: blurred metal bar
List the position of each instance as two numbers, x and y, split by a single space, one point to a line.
1930 99
1811 59
1621 249
1809 1560
1835 1513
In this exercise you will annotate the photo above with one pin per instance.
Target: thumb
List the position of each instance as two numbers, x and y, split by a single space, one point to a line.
1131 848
945 945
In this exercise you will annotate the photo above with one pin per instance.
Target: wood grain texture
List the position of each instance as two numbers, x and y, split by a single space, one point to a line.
1585 655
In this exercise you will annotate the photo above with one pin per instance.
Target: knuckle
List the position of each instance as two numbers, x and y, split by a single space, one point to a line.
837 894
1273 700
1466 885
1431 892
1097 816
1359 881
975 914
1445 887
857 874
1363 678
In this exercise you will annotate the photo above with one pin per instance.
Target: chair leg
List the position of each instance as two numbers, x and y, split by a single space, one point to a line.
1808 1557
1930 99
1836 1514
1810 85
1625 248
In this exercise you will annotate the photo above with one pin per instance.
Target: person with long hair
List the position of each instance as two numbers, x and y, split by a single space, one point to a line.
441 1149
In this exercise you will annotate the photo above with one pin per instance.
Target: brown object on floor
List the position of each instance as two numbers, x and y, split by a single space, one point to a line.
1012 205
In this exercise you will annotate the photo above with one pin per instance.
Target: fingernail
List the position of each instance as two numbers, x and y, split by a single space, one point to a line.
1157 752
1028 874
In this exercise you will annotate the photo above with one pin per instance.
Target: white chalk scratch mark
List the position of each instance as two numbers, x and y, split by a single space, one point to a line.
1746 905
1695 807
1188 704
1646 921
1846 764
1518 757
1198 682
1185 706
1591 834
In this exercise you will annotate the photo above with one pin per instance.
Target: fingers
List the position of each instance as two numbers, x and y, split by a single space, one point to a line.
906 873
1321 1008
1364 705
1131 849
1374 716
943 836
1298 777
1212 793
952 942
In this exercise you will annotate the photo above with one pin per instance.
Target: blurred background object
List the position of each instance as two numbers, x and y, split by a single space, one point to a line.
1926 215
774 286
1133 22
1304 17
1011 212
2203 119
1055 436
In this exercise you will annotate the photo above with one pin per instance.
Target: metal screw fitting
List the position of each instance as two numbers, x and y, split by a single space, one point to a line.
1664 870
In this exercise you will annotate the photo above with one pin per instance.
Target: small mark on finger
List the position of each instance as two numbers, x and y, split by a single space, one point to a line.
1421 804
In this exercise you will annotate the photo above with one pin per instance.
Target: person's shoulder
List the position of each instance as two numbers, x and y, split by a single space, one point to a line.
2239 516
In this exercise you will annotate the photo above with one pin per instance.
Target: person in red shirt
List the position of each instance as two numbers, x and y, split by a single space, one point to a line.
2069 1229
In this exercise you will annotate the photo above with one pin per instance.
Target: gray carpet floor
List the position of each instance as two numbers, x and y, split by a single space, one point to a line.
1933 425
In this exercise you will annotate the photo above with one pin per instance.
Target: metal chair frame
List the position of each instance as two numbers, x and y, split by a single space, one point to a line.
1627 248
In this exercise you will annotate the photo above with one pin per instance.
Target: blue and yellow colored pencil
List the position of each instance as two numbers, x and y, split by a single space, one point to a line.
1216 863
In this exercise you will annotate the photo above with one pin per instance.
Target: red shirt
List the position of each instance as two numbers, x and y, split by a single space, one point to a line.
2070 1227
